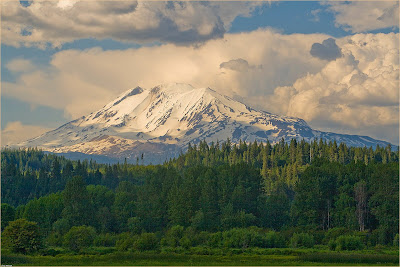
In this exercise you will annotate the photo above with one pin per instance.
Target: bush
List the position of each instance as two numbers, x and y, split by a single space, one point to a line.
173 236
274 240
79 237
105 240
302 240
135 225
146 241
201 251
196 238
374 238
215 240
200 238
396 240
55 239
332 244
22 236
379 248
362 235
318 236
185 242
50 252
334 233
61 226
383 235
349 242
125 241
243 238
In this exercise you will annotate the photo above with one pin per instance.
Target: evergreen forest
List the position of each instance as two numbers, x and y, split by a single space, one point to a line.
214 197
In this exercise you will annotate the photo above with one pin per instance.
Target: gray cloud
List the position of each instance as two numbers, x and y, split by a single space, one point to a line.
181 23
328 50
390 14
239 64
362 16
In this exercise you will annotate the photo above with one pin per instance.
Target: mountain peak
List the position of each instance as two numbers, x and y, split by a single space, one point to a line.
172 115
172 88
135 91
131 92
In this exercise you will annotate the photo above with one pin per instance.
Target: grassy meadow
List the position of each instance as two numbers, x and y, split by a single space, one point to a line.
105 256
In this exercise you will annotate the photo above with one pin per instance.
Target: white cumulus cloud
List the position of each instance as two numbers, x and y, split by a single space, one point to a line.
359 91
16 132
59 22
20 65
362 16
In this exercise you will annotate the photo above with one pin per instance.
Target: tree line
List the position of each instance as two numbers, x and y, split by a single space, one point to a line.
299 188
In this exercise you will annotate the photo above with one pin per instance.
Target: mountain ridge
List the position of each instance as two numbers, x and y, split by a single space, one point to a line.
161 122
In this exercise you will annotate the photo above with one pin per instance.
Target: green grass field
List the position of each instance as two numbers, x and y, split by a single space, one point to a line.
259 257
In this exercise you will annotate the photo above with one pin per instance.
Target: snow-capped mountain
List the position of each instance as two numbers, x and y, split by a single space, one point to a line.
160 122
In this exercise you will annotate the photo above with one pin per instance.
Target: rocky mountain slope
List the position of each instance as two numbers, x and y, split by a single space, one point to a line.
160 122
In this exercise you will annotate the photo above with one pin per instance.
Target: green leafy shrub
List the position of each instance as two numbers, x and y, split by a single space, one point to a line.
61 226
201 251
185 242
287 233
374 238
105 240
196 238
215 240
50 252
349 242
201 238
274 240
318 236
79 237
22 236
302 240
363 235
379 248
243 238
135 225
125 241
146 241
382 236
334 233
55 239
396 240
332 244
173 236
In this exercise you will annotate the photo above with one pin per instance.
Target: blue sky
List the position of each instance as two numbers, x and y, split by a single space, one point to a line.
290 17
282 18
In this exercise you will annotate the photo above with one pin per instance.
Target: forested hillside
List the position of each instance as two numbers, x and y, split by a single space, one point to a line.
216 195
